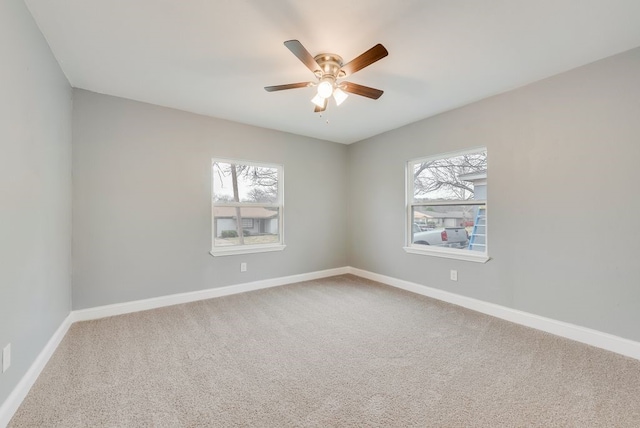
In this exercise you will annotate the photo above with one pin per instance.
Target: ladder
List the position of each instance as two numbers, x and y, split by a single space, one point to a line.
478 238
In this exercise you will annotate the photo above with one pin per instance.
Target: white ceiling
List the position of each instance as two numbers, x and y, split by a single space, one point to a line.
214 57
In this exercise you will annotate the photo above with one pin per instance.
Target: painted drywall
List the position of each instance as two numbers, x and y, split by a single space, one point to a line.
142 201
562 195
35 192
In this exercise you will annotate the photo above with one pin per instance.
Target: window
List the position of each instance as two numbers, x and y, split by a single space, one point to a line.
246 207
447 205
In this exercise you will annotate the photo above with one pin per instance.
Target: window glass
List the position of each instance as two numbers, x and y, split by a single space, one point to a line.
447 204
246 207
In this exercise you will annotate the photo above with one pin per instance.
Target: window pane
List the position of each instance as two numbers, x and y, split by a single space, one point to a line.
259 225
257 184
457 178
453 226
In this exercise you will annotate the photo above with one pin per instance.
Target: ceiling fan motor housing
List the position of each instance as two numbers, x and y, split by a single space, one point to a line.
330 65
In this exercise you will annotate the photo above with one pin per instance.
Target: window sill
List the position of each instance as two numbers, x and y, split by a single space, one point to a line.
448 253
246 249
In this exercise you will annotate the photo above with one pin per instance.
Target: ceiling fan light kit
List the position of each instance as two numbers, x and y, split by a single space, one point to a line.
328 68
325 87
318 100
339 95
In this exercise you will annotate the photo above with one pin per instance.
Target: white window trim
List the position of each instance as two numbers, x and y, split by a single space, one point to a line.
246 249
250 249
442 252
449 253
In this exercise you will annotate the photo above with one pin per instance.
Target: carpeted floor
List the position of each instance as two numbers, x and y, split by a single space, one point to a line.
337 352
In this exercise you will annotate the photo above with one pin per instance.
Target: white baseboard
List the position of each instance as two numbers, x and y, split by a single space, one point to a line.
585 335
588 336
10 406
13 401
175 299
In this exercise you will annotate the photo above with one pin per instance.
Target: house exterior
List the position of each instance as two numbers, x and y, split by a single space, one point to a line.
478 238
255 220
479 180
441 219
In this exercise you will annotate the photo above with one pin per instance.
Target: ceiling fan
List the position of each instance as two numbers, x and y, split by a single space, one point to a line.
328 69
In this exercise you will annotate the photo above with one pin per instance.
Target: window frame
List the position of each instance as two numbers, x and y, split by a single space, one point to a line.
444 252
248 248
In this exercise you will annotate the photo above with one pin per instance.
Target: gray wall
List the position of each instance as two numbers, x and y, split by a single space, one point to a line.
142 210
35 191
563 158
563 168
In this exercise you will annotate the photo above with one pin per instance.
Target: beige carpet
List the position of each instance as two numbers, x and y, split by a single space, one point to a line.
338 352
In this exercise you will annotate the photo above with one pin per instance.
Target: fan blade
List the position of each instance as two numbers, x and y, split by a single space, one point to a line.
369 57
288 86
303 55
320 109
364 91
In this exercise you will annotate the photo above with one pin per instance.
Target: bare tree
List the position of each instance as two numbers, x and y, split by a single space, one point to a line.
236 197
440 179
262 182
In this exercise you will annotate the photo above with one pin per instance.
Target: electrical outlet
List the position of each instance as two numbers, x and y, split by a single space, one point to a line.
243 267
6 358
454 275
